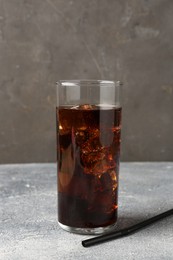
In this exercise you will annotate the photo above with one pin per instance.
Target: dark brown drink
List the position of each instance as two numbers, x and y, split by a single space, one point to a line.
88 140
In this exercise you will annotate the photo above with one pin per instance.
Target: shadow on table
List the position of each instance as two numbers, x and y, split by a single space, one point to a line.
128 221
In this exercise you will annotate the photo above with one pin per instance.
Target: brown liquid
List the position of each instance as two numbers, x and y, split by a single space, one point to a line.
88 143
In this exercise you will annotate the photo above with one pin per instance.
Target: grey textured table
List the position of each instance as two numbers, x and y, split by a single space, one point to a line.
28 217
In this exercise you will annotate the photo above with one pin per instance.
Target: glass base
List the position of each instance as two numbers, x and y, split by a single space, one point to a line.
88 231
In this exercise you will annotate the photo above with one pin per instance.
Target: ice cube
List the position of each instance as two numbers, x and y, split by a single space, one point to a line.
101 167
94 133
113 176
92 145
81 136
89 161
87 107
109 181
91 153
84 107
64 127
104 164
75 107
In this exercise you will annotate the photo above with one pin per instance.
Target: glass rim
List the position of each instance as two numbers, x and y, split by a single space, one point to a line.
93 82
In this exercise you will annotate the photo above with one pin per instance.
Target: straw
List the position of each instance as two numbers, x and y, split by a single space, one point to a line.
125 231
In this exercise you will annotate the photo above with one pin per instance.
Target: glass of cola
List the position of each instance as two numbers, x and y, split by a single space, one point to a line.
88 119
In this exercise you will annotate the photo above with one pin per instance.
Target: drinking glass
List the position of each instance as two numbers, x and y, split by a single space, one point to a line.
88 117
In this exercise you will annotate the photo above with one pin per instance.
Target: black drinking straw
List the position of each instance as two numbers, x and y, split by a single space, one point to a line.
125 231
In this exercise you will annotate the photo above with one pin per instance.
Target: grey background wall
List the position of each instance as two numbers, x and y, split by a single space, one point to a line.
43 41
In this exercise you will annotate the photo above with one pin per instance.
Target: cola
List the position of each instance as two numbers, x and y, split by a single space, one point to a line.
88 150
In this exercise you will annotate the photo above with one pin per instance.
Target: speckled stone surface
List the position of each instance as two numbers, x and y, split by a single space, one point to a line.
28 216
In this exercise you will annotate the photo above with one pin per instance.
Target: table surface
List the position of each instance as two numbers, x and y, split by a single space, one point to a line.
28 215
